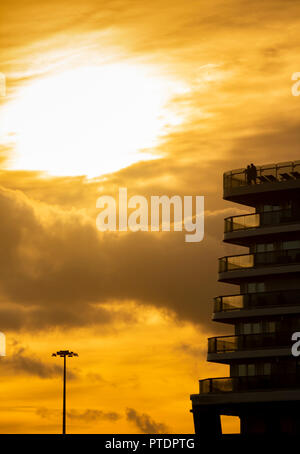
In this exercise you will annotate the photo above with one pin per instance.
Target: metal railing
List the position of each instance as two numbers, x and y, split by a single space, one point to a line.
270 173
249 383
282 298
255 220
226 344
259 259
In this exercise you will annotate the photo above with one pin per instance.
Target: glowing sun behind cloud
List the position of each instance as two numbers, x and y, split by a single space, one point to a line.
90 120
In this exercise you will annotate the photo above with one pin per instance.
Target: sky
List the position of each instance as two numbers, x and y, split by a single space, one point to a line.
159 97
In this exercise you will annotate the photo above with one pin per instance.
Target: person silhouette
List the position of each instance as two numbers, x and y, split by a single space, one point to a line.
253 173
248 174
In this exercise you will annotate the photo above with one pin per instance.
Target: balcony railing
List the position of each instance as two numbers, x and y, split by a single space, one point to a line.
270 173
255 220
249 383
226 344
259 259
284 298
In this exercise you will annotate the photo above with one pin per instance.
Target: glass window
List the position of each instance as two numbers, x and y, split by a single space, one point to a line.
270 327
260 248
264 247
287 204
270 247
242 370
267 369
246 328
260 287
254 287
246 370
267 207
256 328
250 328
251 287
251 369
271 207
292 244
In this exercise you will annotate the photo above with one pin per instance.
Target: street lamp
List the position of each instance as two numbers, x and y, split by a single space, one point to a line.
64 354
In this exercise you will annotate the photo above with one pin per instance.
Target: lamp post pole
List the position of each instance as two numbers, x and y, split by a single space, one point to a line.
64 354
64 398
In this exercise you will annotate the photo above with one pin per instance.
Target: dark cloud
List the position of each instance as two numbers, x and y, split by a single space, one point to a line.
145 423
192 350
21 361
57 268
93 415
88 415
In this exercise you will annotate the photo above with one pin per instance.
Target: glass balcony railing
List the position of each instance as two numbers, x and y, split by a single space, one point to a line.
270 173
255 220
227 344
249 383
284 298
236 262
259 259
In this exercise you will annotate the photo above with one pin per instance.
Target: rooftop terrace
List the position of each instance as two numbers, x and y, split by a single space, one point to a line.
268 177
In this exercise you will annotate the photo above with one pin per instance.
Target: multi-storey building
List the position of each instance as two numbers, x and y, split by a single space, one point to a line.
263 389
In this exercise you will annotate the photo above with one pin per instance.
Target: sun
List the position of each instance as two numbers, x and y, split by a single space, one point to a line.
90 120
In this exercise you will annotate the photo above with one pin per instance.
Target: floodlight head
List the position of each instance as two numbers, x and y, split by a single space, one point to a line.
64 353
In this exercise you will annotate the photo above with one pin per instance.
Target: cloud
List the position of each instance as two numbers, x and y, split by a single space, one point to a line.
22 361
145 423
58 270
93 415
88 415
192 350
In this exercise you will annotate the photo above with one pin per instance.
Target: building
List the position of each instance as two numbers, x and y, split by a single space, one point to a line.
263 389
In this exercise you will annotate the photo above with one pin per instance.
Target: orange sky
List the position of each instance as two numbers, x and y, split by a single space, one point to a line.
160 97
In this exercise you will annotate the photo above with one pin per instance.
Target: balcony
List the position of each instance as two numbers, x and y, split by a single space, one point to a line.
259 259
271 177
263 219
249 383
228 344
248 301
270 173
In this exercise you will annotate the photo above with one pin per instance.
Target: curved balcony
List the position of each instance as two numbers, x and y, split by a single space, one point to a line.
257 220
270 173
263 300
228 344
249 383
259 259
270 177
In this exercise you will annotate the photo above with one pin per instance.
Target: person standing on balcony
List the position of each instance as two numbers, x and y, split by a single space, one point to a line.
248 174
253 173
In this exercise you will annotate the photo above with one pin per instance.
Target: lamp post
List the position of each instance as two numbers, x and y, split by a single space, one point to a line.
63 354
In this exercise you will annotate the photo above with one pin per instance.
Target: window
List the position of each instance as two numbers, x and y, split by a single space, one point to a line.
267 368
250 328
255 287
292 244
251 369
264 247
245 370
270 327
260 287
246 328
242 370
256 328
271 207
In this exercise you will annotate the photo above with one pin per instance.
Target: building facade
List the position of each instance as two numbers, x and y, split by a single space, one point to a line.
263 388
